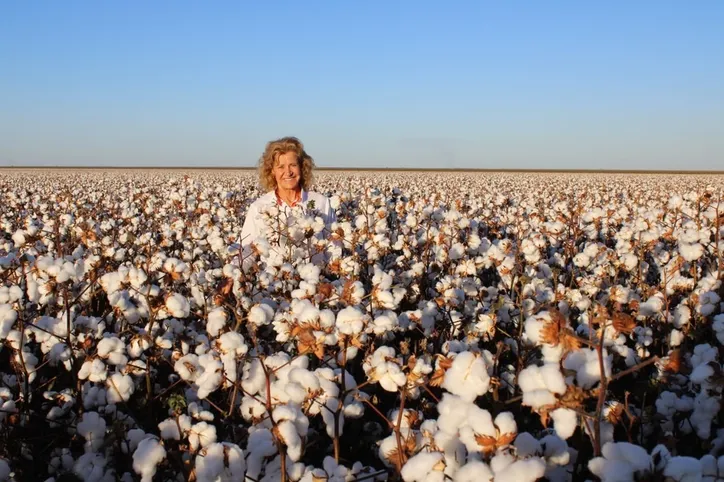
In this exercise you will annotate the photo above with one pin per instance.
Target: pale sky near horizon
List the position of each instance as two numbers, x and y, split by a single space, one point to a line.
463 84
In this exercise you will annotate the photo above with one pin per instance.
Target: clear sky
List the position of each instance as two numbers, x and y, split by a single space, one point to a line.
505 84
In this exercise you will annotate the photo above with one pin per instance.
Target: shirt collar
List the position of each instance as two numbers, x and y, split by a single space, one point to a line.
302 198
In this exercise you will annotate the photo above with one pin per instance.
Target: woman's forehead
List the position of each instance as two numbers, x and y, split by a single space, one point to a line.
289 156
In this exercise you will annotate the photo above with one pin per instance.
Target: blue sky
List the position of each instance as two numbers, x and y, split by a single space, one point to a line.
522 84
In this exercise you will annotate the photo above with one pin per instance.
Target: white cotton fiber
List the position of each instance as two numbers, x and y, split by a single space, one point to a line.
216 321
467 377
565 422
146 458
528 470
418 467
474 471
684 469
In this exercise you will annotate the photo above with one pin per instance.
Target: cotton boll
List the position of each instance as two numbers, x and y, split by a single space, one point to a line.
467 377
701 374
691 252
708 303
384 323
684 469
505 423
703 353
660 456
119 388
717 326
290 437
555 450
93 370
526 445
675 202
565 422
351 321
528 470
586 363
252 409
169 428
704 410
178 306
7 319
330 418
212 376
92 427
453 412
540 384
91 466
475 471
113 350
188 367
232 343
5 470
676 338
682 316
390 376
197 412
201 435
620 461
222 461
419 467
148 455
216 321
480 421
254 378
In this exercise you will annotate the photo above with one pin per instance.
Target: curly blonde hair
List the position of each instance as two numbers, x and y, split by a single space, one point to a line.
276 148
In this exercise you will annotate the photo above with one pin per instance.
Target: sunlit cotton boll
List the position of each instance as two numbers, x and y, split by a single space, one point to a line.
148 455
261 314
178 306
351 321
467 377
119 388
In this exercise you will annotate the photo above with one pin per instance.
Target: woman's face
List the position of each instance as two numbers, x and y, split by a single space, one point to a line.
287 171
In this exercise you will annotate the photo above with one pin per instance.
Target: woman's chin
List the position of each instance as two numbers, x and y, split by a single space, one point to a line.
290 186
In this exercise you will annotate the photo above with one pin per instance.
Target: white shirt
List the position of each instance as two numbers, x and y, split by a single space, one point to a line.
254 226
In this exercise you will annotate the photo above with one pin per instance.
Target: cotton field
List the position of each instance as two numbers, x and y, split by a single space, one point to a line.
460 326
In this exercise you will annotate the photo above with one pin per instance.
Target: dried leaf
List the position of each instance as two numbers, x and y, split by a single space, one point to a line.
438 376
623 323
570 341
412 418
506 439
574 397
394 457
347 291
410 444
673 364
544 417
444 362
487 443
226 286
325 289
557 331
615 414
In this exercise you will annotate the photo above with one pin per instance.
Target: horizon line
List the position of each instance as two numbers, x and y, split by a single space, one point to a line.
384 169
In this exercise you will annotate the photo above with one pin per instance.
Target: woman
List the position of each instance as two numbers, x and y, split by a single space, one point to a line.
286 218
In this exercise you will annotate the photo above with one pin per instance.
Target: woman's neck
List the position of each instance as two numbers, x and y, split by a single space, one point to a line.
289 196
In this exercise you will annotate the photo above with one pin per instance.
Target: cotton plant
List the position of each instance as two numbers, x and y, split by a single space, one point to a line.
136 288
